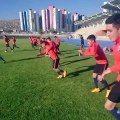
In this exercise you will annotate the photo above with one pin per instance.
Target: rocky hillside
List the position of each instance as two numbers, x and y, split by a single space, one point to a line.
10 24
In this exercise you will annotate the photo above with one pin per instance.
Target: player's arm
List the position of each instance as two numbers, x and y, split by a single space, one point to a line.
107 71
42 53
88 52
50 47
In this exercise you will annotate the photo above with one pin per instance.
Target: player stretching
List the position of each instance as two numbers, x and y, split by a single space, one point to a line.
48 50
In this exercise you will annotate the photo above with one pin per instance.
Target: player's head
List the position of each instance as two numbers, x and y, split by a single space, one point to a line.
43 39
48 39
5 36
91 39
113 26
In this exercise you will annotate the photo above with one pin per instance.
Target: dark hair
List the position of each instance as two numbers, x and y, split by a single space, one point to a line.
92 37
114 19
49 38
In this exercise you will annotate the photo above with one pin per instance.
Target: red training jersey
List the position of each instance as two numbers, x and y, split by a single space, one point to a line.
14 40
58 40
96 51
116 55
53 46
6 39
50 51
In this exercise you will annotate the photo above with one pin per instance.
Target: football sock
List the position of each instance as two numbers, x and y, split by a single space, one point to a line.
116 113
96 82
104 82
61 71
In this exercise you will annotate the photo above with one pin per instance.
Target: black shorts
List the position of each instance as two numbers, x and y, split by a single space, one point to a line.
99 68
35 44
55 63
7 45
114 95
57 45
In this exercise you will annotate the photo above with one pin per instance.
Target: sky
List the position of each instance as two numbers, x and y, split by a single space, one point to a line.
9 9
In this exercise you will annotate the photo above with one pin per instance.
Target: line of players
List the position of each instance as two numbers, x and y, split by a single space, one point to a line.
50 47
7 40
7 44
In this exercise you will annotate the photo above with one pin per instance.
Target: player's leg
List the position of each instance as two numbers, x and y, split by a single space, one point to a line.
102 67
95 71
96 89
57 69
6 47
13 46
113 99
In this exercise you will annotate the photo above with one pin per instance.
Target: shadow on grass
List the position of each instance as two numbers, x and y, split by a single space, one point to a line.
71 56
24 59
29 50
73 61
77 73
70 50
109 86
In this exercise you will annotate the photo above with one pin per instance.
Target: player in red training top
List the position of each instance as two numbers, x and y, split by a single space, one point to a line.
113 32
6 40
58 43
52 44
48 50
95 50
14 42
33 41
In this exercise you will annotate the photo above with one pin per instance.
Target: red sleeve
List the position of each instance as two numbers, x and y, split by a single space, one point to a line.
50 47
115 68
91 51
43 52
58 40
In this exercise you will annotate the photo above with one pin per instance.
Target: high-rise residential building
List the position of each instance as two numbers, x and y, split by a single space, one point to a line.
69 22
51 16
72 22
37 22
25 20
48 20
64 20
34 21
31 19
43 13
76 18
40 22
28 23
21 21
59 20
55 17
